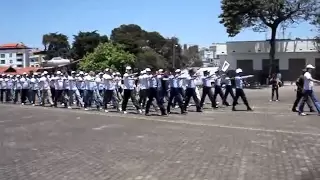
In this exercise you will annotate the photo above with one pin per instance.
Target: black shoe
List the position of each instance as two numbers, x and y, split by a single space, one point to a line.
294 110
234 108
311 110
249 109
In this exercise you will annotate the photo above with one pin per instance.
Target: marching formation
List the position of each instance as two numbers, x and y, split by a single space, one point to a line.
148 88
110 89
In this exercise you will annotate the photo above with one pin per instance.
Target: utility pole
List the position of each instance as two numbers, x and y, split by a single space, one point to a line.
173 53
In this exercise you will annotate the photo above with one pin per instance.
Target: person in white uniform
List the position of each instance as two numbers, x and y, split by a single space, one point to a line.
308 90
44 85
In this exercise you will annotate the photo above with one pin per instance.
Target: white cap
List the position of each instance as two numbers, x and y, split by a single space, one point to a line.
238 70
118 73
10 75
147 69
77 75
35 73
45 72
128 68
143 72
107 69
178 70
2 74
17 75
85 74
58 72
160 70
73 72
309 66
81 72
113 74
24 73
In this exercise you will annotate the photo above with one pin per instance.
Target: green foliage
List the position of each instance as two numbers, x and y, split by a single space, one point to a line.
131 36
107 55
56 45
262 14
151 59
86 42
151 49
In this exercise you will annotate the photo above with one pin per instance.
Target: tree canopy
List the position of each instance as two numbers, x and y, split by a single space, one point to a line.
56 44
265 14
151 49
107 55
86 42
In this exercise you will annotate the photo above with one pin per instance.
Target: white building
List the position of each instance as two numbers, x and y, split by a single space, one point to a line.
214 55
291 57
14 55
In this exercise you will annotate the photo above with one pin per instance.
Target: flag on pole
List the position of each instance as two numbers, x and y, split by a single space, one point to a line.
225 66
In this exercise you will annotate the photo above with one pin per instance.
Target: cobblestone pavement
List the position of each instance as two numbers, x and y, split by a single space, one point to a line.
58 144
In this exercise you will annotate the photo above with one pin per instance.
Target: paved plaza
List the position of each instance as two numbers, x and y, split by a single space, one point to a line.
270 143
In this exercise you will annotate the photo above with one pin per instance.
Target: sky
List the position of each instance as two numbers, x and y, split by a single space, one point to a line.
192 21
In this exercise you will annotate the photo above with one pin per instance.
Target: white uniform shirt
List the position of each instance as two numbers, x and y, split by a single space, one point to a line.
72 83
90 82
44 83
308 84
128 82
108 82
144 81
59 83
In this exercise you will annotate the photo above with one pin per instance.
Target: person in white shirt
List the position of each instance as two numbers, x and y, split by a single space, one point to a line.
52 85
217 88
44 84
110 90
207 88
59 89
229 89
17 88
10 88
89 94
239 90
99 89
24 81
73 91
81 85
34 88
308 90
129 86
144 86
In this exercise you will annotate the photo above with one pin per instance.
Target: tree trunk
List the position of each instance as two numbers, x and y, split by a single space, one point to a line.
272 51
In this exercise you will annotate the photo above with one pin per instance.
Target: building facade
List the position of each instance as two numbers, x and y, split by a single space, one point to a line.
214 55
14 55
290 58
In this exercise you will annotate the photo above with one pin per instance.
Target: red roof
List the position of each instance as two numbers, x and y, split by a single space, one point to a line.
26 70
4 68
13 46
11 70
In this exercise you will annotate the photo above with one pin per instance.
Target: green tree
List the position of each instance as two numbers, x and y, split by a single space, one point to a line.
107 55
131 36
56 45
86 42
265 14
151 59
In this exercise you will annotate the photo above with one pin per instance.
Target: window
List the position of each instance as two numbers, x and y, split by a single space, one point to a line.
19 65
2 55
11 61
3 62
10 55
19 60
